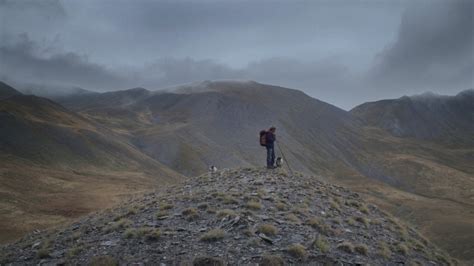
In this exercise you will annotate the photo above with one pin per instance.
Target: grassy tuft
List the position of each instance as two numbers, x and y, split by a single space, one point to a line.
281 206
346 246
319 225
166 206
384 250
363 208
293 218
297 251
153 235
271 260
268 229
129 233
362 220
362 249
190 213
103 261
213 235
351 221
334 205
229 200
74 251
402 248
226 212
321 244
254 205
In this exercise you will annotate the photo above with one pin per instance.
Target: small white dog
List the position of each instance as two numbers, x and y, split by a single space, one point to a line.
212 169
279 162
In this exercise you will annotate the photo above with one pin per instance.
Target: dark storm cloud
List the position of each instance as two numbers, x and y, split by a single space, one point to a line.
325 48
434 49
23 61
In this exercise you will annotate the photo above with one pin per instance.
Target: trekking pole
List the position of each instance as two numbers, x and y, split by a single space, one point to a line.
284 158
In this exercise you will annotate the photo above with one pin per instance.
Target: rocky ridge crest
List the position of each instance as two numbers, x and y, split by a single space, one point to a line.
233 217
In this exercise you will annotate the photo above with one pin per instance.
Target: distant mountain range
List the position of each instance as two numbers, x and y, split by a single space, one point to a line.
427 116
412 156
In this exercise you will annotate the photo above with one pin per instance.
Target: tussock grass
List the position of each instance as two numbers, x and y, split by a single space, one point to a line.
363 208
137 232
254 205
129 233
268 229
74 251
298 251
226 212
321 244
153 235
213 235
103 261
293 218
229 200
272 260
362 220
362 249
249 232
281 206
166 206
334 205
190 213
384 250
402 249
353 203
351 221
346 247
320 225
118 225
131 211
301 209
417 245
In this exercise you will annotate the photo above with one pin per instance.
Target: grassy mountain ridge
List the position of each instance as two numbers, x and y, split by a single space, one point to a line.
235 216
57 165
426 116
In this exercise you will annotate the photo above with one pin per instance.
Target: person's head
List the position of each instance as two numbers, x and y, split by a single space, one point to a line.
272 129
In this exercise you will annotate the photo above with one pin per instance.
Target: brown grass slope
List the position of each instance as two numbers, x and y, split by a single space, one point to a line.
57 165
447 119
235 217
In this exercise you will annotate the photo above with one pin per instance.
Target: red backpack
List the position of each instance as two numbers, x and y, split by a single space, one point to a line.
263 138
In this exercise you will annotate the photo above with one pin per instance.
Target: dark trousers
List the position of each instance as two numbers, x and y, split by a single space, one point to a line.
270 156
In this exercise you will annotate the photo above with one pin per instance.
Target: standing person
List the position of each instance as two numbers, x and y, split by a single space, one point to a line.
270 138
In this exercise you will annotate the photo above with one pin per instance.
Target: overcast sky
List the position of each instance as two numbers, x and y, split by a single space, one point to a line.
342 52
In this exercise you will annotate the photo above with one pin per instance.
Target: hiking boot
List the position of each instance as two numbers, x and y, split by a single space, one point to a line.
271 167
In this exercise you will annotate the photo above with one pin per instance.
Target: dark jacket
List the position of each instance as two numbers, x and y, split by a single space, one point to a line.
270 139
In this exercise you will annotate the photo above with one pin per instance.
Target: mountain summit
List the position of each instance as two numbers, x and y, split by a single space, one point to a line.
238 216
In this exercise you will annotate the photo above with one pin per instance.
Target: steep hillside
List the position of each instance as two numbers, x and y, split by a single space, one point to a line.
57 165
218 122
427 116
7 91
241 216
